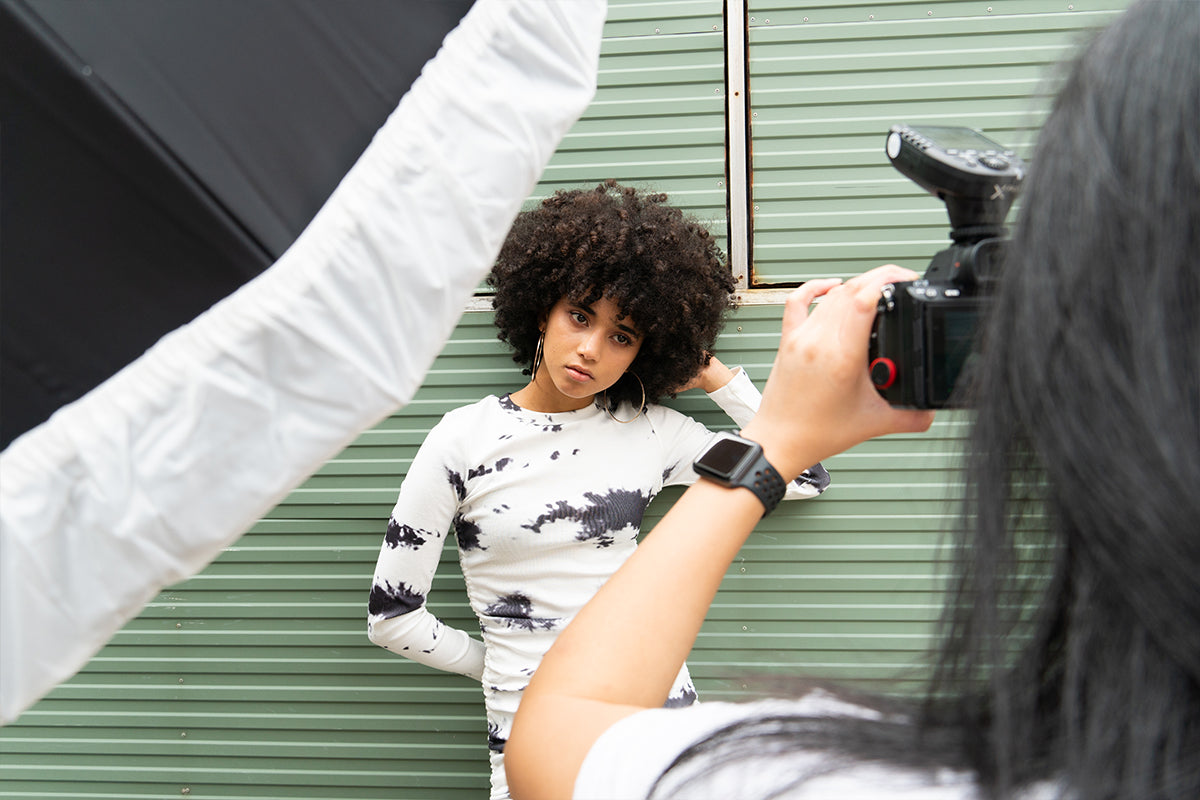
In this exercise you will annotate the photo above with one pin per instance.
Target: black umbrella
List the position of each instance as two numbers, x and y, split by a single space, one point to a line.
155 156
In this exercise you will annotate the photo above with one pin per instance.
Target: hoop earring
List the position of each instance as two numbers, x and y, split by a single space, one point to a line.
641 407
537 356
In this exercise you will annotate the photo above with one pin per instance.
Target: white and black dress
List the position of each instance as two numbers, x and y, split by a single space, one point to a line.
545 508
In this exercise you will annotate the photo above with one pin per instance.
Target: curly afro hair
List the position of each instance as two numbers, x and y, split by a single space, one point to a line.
663 270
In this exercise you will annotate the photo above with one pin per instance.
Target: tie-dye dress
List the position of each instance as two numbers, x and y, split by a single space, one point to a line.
545 508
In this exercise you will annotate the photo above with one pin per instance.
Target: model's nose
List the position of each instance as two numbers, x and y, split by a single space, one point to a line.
589 346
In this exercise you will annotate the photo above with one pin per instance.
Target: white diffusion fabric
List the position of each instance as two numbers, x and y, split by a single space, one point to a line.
144 480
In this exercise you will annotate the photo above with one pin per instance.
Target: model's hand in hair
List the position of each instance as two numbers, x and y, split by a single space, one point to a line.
710 378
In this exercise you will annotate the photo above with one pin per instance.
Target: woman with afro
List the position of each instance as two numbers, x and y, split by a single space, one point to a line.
614 299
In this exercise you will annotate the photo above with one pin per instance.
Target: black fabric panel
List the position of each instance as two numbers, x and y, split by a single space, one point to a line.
104 244
154 156
267 102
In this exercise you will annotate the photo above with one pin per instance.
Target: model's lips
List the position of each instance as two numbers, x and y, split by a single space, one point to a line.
578 373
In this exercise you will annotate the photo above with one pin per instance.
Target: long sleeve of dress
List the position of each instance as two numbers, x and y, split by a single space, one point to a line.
739 398
397 616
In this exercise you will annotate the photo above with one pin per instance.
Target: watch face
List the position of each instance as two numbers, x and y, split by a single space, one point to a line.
724 456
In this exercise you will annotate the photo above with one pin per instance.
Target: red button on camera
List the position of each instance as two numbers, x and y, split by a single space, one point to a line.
883 373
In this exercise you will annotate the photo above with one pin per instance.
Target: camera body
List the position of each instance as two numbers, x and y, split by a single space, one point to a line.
923 338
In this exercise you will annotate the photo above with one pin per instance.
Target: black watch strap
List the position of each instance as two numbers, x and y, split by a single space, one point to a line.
740 464
762 479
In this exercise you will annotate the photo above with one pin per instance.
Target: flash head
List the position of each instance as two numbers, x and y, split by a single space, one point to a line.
923 342
978 179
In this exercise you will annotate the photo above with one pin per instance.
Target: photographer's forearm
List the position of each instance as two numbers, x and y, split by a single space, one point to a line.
623 651
660 596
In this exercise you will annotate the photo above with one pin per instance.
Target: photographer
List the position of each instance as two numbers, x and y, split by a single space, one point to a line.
1083 682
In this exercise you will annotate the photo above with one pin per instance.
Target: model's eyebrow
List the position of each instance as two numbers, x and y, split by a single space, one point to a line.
632 332
592 312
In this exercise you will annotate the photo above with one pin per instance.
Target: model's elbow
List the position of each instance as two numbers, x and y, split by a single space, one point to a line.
388 603
382 632
374 635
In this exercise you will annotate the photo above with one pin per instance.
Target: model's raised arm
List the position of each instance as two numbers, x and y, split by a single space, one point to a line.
598 673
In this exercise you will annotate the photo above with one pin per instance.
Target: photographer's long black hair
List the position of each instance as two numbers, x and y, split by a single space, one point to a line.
1085 455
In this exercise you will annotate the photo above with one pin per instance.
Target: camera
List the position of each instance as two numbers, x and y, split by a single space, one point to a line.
923 339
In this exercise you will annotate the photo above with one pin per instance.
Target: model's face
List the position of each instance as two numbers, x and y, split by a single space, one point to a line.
586 351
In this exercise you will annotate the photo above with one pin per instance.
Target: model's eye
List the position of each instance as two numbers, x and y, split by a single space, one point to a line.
622 339
578 316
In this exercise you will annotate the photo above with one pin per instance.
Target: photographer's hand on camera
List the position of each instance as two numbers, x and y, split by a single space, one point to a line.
819 399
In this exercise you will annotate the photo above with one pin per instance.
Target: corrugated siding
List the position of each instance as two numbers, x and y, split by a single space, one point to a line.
828 79
254 679
658 119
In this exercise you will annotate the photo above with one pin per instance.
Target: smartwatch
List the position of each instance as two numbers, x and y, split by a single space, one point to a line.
739 463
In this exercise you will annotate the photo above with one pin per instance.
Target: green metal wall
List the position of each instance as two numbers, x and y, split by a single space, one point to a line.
658 119
827 80
254 679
